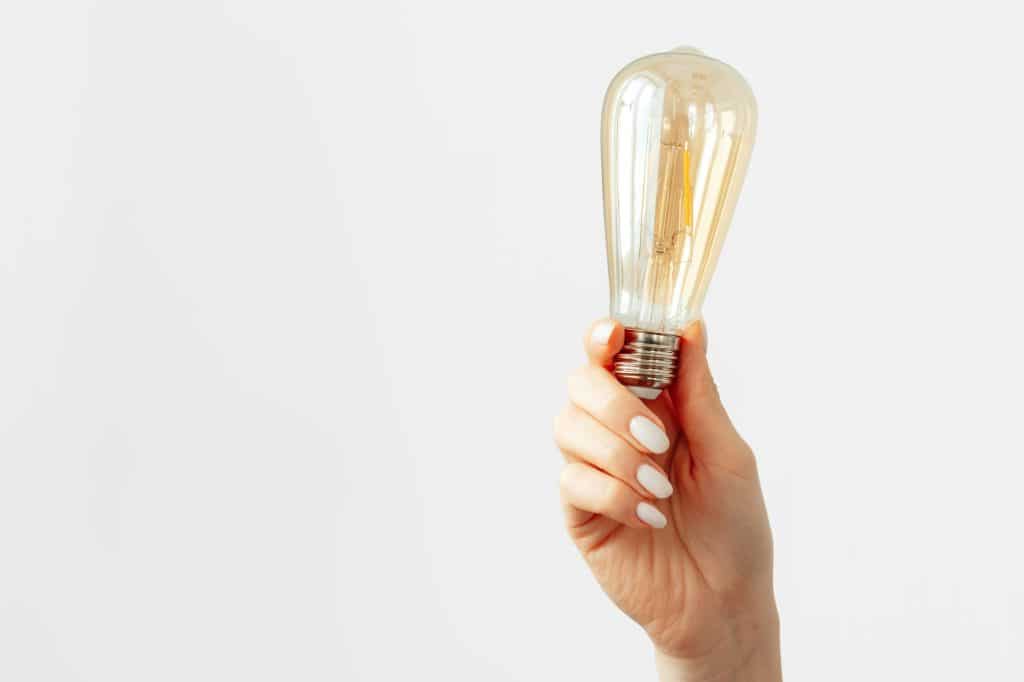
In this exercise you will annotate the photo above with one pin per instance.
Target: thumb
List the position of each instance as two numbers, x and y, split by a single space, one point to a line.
708 429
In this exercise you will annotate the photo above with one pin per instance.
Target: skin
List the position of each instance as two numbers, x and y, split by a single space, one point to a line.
701 586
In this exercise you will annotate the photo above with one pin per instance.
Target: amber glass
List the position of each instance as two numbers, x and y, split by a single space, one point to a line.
677 131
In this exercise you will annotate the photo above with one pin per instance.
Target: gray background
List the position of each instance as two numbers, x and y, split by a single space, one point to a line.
289 292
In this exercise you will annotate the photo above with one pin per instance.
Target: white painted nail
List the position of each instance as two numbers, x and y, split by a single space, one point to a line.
602 333
653 481
650 515
648 434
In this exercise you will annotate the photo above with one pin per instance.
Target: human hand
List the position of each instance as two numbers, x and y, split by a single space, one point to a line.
662 499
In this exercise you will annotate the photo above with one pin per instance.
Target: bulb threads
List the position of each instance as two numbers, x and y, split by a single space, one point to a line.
647 359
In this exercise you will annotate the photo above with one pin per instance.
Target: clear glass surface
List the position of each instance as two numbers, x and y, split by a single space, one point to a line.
677 131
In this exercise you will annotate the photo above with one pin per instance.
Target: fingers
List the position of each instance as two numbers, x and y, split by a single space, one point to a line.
603 340
595 391
580 436
609 435
587 489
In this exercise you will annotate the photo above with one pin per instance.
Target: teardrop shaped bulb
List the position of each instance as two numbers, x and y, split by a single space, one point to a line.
677 132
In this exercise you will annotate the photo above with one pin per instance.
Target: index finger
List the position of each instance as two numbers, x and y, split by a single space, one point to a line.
603 340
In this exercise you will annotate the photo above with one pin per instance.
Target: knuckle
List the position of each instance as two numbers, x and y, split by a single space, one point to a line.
563 426
604 397
747 458
612 496
613 404
620 456
575 380
566 478
604 403
559 422
569 481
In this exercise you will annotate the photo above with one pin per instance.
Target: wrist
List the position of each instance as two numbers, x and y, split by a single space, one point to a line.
751 654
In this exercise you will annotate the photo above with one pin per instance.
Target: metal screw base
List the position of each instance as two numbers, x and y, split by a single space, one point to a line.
647 359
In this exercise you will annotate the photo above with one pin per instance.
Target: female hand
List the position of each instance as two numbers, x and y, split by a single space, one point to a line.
662 499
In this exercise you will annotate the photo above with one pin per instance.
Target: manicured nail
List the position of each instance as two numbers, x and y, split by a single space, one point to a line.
648 433
602 332
650 515
653 481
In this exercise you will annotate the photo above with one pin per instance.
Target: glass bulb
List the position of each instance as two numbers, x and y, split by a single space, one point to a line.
677 131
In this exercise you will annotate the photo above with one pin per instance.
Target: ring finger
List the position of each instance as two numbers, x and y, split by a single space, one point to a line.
582 437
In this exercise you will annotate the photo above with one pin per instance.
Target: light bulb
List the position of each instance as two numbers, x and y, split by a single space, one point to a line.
677 131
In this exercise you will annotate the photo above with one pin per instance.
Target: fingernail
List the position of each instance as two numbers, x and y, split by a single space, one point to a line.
653 481
650 515
602 333
648 434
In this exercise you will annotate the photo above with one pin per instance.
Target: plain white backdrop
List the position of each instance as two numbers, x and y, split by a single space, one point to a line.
288 292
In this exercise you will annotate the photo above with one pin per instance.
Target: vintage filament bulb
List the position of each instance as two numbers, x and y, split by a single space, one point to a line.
677 131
